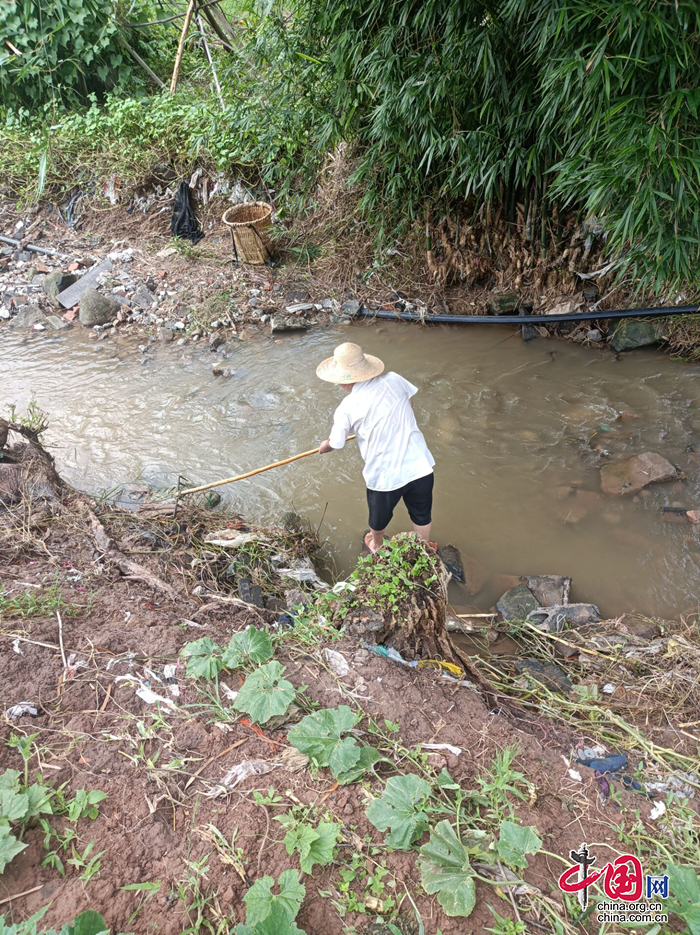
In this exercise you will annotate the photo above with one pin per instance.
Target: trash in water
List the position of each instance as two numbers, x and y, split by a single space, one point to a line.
455 751
248 768
337 662
19 710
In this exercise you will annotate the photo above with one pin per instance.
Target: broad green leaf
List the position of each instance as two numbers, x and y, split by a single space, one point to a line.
251 645
322 848
9 847
400 810
39 801
265 693
299 838
87 923
202 659
684 896
319 736
515 841
260 900
147 886
203 647
445 870
445 781
10 780
13 805
276 923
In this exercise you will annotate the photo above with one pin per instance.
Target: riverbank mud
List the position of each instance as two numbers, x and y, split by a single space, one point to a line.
98 605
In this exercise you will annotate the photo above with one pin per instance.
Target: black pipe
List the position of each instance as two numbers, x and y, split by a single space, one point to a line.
527 319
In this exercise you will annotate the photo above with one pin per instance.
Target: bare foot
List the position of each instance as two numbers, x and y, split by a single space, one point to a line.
368 543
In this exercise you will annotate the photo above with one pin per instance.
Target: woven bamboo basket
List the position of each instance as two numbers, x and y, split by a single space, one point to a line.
248 223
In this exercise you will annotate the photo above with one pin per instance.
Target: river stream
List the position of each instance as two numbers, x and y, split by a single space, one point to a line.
512 426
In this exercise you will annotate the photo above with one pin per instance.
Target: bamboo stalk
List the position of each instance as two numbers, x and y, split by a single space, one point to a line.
137 58
181 46
268 467
211 61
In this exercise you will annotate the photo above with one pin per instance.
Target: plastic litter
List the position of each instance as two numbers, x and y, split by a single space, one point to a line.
19 710
340 587
608 764
657 811
229 692
575 775
248 768
455 751
16 647
144 692
678 786
231 538
337 662
304 572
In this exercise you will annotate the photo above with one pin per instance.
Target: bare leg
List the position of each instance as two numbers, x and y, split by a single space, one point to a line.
423 532
374 539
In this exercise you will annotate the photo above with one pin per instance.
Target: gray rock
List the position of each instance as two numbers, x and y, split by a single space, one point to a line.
287 324
299 307
295 597
23 256
218 370
549 590
166 335
503 303
56 282
351 307
97 309
215 341
548 674
554 619
37 279
516 604
4 313
56 323
628 333
28 316
143 297
631 476
594 335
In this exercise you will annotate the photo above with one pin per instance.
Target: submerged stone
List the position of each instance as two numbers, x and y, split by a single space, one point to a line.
549 590
516 604
631 476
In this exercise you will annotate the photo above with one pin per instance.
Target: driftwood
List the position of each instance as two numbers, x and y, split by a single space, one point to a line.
27 470
128 567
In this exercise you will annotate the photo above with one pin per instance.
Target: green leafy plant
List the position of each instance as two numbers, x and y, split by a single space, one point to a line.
446 869
265 694
515 841
205 658
269 913
87 923
684 896
401 810
84 804
314 845
320 737
18 805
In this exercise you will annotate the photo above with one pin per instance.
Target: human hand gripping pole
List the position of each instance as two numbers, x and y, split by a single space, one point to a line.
268 467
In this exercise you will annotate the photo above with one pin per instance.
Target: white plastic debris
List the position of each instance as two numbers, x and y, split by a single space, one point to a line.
231 538
19 710
337 662
229 692
657 811
248 768
305 573
575 775
144 692
340 587
455 751
16 647
609 689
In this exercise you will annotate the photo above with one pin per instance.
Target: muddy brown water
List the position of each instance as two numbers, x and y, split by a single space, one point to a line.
511 426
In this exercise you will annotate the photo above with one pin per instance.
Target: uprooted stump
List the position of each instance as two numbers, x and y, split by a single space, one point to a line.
27 472
400 600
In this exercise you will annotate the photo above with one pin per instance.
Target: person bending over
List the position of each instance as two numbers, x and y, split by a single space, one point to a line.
379 411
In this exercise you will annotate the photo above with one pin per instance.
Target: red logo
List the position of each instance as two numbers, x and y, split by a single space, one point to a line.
623 878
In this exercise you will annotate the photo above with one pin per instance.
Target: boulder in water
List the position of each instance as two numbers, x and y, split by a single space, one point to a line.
549 590
97 309
516 604
631 476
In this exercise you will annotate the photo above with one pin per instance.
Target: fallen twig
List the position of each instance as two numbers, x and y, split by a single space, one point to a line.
9 899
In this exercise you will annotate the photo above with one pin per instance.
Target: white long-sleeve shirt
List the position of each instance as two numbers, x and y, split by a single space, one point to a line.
392 446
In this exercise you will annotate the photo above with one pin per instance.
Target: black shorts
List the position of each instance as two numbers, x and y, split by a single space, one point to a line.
417 495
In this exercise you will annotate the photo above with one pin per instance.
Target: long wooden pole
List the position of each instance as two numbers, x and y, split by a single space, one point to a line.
181 46
268 467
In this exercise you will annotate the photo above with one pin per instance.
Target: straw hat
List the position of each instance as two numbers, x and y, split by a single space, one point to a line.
349 365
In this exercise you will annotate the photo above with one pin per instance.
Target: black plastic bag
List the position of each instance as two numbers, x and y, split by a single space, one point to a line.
184 223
